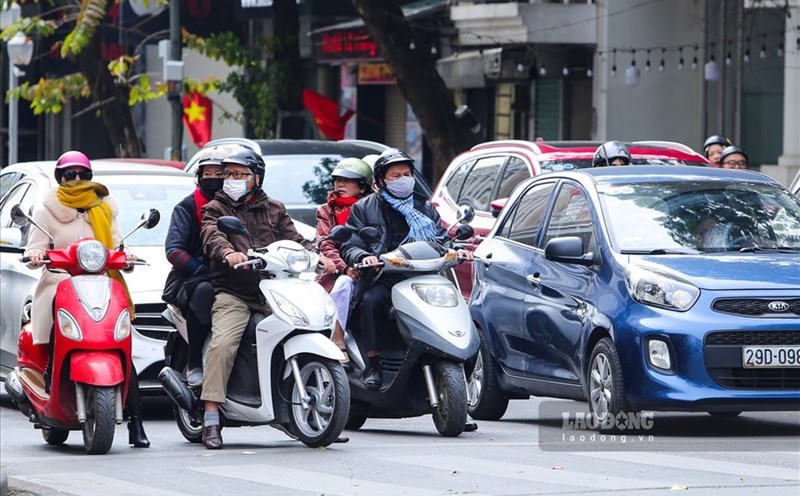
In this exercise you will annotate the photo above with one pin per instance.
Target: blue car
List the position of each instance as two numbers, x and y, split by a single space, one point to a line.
641 288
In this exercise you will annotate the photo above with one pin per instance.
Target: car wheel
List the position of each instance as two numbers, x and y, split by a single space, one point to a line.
486 400
606 387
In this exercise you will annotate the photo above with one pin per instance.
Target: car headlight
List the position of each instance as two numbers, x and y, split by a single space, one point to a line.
299 319
330 311
653 288
296 260
437 295
123 328
68 325
92 256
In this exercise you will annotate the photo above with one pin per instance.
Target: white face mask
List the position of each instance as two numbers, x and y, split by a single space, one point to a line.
235 188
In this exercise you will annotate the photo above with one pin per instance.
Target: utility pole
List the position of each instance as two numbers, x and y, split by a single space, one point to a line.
173 74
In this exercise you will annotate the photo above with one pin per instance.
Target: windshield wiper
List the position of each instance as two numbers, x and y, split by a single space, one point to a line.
779 249
660 251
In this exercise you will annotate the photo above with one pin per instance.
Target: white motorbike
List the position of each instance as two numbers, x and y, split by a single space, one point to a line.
286 373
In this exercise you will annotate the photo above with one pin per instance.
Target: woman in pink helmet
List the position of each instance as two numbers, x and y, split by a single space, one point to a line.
77 207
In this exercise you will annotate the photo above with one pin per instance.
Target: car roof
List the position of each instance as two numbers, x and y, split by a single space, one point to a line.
563 150
100 167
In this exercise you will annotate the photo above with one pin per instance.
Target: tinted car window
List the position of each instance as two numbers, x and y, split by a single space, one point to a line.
523 223
7 180
456 180
478 186
514 172
571 217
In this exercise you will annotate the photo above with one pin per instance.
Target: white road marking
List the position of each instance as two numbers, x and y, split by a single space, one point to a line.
89 484
699 464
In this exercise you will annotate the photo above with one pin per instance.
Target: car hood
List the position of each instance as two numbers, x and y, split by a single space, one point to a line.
146 282
732 271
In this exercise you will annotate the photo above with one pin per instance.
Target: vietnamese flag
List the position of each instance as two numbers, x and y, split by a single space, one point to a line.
326 114
197 117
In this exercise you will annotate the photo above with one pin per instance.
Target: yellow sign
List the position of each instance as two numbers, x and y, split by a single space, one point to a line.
375 74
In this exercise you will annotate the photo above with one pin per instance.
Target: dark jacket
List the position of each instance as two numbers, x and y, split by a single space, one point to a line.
374 211
183 245
265 219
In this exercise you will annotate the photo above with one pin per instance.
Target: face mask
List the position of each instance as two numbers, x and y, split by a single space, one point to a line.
210 185
235 188
402 187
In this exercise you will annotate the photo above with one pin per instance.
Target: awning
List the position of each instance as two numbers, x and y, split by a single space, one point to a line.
469 69
410 11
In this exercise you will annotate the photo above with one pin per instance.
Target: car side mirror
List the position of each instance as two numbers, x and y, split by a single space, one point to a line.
496 206
568 249
370 234
465 214
230 225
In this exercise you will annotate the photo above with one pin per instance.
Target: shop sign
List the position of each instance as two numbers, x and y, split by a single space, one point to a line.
349 44
375 74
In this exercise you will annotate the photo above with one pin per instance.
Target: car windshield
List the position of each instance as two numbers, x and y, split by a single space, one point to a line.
136 194
299 178
562 165
707 216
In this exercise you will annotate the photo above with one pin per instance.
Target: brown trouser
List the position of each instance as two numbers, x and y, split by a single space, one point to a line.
229 317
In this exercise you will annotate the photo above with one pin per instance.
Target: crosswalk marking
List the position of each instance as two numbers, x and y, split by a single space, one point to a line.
89 484
700 464
528 473
317 482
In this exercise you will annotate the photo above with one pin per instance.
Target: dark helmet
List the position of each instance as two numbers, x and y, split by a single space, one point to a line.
610 151
715 140
354 168
250 159
213 155
730 150
390 157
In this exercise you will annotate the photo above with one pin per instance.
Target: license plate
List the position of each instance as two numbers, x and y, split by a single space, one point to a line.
770 356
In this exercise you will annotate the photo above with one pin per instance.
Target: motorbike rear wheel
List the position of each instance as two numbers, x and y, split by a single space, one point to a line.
325 382
53 436
98 431
450 415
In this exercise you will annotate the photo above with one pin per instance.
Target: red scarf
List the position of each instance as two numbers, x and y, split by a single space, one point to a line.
199 201
341 208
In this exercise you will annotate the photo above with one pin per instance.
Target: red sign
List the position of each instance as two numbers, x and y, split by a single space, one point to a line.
355 44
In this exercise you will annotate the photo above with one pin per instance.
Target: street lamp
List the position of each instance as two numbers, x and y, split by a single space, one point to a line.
20 52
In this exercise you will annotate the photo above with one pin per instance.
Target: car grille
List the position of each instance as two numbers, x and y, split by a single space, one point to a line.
756 307
723 357
149 321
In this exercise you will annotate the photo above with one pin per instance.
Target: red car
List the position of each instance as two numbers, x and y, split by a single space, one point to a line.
485 176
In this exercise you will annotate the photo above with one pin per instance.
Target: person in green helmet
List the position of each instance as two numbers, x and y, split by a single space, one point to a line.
352 180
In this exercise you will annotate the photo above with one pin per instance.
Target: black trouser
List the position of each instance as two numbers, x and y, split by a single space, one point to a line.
198 321
374 309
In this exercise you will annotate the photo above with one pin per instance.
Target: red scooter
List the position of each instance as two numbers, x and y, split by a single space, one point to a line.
91 359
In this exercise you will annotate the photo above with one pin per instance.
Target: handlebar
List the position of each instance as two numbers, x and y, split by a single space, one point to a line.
361 266
138 261
25 260
255 263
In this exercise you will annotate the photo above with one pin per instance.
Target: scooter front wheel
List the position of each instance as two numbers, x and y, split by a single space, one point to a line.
98 430
53 436
450 415
321 420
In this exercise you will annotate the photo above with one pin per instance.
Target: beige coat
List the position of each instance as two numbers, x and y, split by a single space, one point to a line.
66 225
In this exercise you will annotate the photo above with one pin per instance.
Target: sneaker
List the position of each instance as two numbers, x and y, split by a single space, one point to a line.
373 378
195 377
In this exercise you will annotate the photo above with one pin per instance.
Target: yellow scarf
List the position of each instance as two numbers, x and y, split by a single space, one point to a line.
88 195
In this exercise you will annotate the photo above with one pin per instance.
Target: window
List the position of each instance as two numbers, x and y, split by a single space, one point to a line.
571 216
515 171
456 181
523 223
7 180
479 183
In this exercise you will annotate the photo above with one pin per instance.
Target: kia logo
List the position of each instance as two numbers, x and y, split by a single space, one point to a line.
778 306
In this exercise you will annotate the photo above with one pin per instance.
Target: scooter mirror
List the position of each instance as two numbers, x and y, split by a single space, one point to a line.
370 234
464 232
230 225
18 216
152 216
340 234
465 214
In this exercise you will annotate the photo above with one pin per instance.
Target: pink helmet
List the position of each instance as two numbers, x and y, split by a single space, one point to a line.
73 158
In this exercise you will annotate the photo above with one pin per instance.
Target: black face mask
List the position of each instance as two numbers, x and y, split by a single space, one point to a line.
210 185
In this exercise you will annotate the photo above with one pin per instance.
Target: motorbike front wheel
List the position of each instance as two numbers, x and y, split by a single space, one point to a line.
98 431
450 415
323 419
53 436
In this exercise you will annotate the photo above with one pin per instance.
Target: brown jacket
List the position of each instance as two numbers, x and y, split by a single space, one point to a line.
265 219
326 220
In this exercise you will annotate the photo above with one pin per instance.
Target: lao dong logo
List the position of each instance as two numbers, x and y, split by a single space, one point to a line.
622 421
778 306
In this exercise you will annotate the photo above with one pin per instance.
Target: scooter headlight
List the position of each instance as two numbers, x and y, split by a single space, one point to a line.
92 256
437 295
297 316
296 260
330 311
68 325
123 328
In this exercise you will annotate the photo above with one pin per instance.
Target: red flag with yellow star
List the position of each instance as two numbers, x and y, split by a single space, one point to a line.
197 113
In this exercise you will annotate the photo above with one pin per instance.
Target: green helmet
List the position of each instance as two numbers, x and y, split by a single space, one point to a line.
353 168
